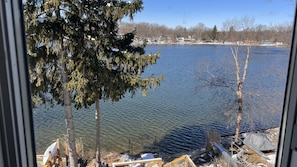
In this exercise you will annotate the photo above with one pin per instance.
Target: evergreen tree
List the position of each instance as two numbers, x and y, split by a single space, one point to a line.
214 33
77 56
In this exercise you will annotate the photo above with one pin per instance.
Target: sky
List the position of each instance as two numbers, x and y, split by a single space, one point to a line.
188 13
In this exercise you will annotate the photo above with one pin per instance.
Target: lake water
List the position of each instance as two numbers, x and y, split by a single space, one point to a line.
177 114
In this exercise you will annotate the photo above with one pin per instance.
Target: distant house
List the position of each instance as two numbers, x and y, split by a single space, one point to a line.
180 40
266 42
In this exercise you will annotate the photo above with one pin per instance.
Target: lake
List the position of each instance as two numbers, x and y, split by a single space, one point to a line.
177 114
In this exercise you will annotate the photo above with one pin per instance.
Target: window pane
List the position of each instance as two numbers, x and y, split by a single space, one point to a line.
221 63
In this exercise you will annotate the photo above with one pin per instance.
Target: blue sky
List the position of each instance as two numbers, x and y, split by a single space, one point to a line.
189 13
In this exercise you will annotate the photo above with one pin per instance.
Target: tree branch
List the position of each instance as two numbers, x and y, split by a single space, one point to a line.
246 63
235 56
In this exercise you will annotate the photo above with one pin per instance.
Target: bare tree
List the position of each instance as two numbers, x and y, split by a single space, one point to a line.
180 31
233 30
246 23
240 99
197 31
229 27
259 32
239 82
282 32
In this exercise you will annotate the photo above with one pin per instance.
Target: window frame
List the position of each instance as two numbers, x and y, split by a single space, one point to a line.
287 143
17 142
16 122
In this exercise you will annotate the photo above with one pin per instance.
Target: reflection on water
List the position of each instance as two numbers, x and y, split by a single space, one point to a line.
174 115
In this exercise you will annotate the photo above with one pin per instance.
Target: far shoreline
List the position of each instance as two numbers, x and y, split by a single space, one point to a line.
221 44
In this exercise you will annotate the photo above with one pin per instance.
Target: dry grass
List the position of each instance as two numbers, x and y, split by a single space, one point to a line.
78 143
107 158
212 136
254 158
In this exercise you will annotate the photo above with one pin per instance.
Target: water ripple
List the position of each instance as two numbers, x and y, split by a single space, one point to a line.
173 118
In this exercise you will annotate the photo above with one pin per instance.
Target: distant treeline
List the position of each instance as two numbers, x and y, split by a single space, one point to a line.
235 30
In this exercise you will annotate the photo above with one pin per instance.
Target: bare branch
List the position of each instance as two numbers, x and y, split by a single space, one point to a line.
235 56
246 63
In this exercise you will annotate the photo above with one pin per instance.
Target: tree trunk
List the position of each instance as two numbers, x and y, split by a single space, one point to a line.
67 99
239 117
239 83
97 117
68 118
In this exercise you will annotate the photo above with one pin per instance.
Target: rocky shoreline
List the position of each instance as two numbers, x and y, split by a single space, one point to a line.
206 156
203 157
